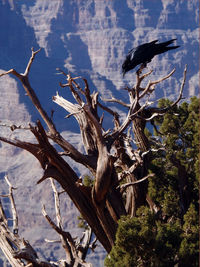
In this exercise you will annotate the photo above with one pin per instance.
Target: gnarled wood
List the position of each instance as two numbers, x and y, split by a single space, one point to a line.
109 155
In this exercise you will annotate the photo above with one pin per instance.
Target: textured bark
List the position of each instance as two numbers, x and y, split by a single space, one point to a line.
15 248
183 184
109 155
6 245
142 141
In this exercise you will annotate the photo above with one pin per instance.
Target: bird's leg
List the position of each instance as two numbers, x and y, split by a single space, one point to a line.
142 66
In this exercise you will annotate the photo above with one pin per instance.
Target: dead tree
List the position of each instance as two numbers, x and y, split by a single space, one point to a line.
109 154
19 252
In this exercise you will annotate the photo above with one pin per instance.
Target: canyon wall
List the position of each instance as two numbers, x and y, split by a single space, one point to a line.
87 38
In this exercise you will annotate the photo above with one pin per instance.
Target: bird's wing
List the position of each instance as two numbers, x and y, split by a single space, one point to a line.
145 52
153 42
139 49
131 53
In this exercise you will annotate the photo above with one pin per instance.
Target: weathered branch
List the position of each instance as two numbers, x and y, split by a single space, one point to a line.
74 251
55 166
13 206
181 89
109 110
161 111
150 84
74 258
114 100
130 117
57 203
66 239
86 132
34 53
30 92
16 249
65 242
14 127
124 186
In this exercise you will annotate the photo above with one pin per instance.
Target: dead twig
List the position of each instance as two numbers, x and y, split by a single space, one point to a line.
114 100
124 186
161 111
14 127
13 206
23 77
150 84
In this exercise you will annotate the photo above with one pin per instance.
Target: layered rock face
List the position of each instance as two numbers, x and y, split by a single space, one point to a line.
87 38
94 36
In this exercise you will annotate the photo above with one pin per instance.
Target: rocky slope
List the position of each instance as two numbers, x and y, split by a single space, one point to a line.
88 38
94 36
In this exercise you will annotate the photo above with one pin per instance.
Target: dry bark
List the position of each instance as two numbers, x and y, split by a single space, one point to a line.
102 203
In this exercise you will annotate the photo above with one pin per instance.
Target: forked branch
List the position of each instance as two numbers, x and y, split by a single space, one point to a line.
75 251
162 111
30 92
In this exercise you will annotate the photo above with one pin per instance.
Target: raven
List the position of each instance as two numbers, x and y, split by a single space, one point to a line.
144 53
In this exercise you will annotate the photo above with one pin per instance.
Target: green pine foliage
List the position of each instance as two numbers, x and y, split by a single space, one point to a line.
189 247
169 237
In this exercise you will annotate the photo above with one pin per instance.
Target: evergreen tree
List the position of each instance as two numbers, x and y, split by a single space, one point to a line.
169 237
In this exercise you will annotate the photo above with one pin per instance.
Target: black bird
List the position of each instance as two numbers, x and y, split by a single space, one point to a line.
144 53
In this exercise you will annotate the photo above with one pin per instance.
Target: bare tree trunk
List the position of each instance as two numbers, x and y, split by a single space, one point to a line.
109 155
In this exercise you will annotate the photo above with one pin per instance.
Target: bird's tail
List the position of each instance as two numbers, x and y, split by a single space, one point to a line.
161 50
164 44
172 47
163 47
